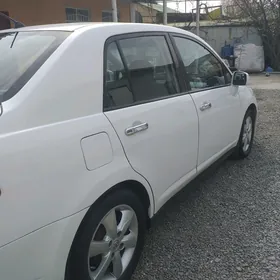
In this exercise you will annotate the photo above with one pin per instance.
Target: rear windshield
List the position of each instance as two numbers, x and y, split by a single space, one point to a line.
21 55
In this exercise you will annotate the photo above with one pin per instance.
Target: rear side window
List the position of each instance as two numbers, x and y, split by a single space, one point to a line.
118 90
21 55
140 70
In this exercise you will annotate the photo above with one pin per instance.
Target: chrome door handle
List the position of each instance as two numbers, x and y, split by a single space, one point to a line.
205 106
137 128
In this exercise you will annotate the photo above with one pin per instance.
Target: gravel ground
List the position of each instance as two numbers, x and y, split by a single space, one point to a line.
226 224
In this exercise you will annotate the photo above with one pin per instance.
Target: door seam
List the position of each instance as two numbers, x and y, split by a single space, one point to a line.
130 162
198 131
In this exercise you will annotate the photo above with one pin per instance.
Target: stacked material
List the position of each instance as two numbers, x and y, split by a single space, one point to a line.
249 57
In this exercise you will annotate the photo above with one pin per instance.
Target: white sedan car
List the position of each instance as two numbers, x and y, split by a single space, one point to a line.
100 125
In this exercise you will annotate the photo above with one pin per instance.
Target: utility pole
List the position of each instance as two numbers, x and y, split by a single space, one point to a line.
114 11
197 17
132 12
164 12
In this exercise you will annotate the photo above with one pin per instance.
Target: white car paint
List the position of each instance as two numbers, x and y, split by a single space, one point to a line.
168 128
218 126
91 147
48 182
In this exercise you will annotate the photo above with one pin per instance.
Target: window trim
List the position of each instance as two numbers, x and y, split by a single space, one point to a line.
174 56
187 37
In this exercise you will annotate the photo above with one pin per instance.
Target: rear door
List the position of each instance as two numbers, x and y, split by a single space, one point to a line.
217 102
155 120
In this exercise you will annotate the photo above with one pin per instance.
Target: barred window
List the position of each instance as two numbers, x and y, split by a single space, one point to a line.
77 15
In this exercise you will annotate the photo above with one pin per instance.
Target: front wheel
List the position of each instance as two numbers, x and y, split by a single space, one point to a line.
110 240
245 142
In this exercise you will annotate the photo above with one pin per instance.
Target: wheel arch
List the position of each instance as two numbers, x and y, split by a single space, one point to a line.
134 186
131 185
253 108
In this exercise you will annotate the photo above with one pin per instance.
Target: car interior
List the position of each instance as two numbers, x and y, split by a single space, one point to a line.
149 76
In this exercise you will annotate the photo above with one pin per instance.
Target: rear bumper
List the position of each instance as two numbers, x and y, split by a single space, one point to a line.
41 255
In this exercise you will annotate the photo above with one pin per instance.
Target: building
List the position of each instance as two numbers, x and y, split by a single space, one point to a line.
33 12
150 13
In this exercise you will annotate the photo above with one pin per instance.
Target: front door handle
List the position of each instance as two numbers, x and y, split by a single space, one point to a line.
205 106
137 128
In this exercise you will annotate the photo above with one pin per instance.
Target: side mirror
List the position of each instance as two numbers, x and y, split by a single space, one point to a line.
239 78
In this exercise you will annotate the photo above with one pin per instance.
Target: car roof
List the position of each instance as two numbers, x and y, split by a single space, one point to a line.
71 27
52 27
107 28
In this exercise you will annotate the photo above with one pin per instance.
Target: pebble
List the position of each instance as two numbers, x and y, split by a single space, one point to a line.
213 217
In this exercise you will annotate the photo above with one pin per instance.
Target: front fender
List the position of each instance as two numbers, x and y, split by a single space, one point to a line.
247 98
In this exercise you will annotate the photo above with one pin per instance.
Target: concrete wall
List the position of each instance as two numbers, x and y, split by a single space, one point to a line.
216 36
32 12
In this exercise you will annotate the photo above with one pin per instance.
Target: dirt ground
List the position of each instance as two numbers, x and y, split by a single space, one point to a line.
260 81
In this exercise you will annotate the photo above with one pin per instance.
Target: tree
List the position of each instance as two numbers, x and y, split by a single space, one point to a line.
265 16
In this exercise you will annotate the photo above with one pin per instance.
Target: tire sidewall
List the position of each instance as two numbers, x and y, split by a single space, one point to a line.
242 153
77 266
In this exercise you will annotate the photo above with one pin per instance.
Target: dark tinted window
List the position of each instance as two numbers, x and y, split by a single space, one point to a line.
203 69
21 55
118 92
150 66
149 73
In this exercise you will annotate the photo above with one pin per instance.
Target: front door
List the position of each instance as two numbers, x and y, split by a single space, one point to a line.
217 102
156 123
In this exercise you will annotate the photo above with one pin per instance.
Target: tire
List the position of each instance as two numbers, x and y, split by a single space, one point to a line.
243 149
96 228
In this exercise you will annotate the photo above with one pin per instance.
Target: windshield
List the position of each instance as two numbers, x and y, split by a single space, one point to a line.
21 55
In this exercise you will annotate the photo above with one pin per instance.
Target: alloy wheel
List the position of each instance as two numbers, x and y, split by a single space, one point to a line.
113 244
247 134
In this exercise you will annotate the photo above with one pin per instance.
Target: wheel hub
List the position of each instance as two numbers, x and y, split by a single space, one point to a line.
116 245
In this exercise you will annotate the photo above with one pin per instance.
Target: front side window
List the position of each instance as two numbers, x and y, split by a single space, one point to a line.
21 55
147 71
203 69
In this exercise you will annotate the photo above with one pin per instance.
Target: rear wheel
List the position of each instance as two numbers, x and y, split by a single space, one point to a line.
110 240
246 137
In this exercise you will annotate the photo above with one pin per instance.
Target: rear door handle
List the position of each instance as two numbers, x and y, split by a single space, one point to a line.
205 106
137 128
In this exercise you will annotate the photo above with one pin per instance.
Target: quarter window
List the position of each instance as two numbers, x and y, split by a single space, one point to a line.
117 88
146 73
203 69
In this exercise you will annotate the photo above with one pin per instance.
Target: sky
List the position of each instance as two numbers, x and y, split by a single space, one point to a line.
191 5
